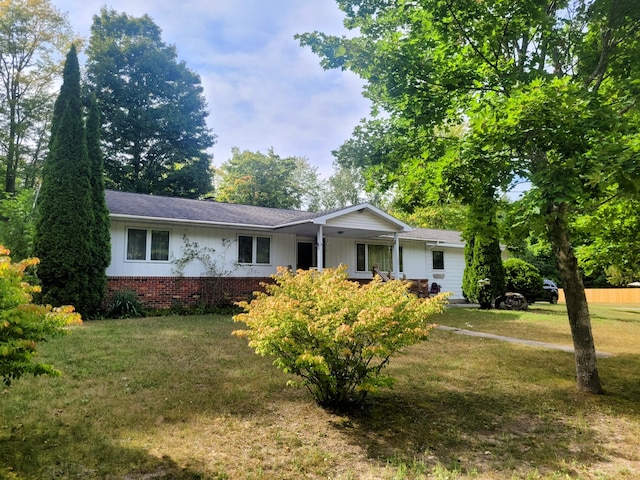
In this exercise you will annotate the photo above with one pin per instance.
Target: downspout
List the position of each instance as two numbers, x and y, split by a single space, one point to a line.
320 248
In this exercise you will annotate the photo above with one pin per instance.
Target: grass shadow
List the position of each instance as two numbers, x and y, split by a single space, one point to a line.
76 451
475 419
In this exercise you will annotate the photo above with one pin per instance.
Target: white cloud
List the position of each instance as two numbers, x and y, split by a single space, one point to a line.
262 88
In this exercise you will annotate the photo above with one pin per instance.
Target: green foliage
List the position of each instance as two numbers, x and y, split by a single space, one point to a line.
483 278
17 223
442 216
213 295
34 36
101 236
125 304
611 241
266 180
63 239
522 277
542 91
336 334
154 132
23 324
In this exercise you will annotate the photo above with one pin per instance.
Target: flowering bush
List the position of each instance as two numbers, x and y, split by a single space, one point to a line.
23 324
334 333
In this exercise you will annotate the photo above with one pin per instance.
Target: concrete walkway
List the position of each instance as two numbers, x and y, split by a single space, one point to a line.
531 343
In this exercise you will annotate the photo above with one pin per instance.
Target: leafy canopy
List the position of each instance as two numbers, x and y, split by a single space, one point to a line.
542 90
267 180
34 37
154 131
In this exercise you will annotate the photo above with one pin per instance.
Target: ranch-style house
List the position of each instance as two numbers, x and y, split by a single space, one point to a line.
233 248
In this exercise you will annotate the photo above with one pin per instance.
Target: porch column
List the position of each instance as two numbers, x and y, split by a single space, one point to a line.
396 256
320 249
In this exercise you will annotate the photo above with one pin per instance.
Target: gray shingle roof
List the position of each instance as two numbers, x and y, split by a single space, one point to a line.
205 211
427 234
153 206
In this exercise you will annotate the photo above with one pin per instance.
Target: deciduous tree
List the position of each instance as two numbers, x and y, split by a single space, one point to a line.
545 90
154 132
266 180
34 37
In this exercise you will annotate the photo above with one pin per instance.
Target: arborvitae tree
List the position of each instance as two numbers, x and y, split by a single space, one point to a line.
63 239
101 241
483 277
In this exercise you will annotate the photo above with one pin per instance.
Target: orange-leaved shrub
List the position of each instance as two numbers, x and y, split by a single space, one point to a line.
336 334
23 324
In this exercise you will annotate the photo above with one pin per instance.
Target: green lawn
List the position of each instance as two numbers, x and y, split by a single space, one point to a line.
180 398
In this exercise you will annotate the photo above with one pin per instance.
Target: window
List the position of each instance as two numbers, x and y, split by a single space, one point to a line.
370 255
254 249
139 238
438 260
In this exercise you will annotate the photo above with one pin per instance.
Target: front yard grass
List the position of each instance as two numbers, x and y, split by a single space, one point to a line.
180 398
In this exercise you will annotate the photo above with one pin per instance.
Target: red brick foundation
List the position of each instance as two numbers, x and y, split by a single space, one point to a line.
167 292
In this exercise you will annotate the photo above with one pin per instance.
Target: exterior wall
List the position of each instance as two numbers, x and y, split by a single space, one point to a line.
363 220
165 292
222 241
417 262
159 286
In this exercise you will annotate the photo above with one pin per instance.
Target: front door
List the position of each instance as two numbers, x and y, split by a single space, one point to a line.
306 256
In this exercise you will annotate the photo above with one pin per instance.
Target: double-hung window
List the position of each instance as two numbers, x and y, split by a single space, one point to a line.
372 255
148 245
254 249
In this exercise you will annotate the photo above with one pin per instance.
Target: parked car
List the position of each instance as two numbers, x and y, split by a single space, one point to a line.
550 291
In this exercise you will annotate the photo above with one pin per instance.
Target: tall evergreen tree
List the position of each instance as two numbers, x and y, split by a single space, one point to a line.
101 240
63 239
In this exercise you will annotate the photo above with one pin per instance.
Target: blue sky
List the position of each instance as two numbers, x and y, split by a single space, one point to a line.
263 90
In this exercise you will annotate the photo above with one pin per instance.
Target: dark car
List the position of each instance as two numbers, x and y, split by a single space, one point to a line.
550 291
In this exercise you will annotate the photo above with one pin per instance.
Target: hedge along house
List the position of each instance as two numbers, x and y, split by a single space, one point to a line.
186 252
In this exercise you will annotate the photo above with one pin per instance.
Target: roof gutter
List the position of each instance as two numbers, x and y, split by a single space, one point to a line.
120 216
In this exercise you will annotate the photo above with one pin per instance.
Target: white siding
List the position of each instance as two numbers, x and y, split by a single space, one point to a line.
222 241
453 271
417 256
364 220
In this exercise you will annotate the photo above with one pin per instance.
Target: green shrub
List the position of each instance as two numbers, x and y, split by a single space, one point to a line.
523 278
125 304
23 324
334 333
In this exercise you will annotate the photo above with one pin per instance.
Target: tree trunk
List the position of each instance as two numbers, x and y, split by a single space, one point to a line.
588 379
12 152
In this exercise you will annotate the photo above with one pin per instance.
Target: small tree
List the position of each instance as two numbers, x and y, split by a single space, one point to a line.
522 277
23 324
483 278
336 334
